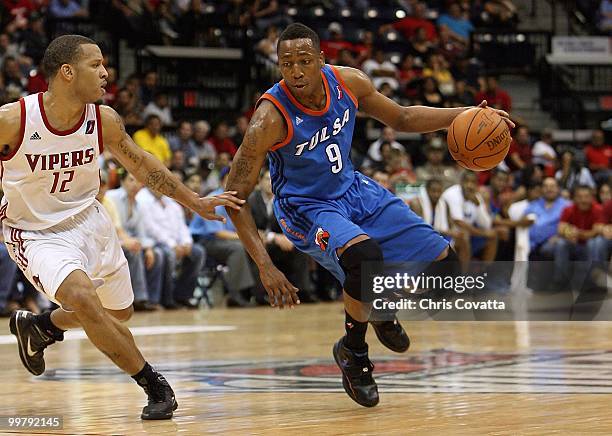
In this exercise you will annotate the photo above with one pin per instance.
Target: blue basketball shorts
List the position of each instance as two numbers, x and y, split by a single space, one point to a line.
320 227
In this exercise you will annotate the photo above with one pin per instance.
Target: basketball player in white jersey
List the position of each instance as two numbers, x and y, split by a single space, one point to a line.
55 230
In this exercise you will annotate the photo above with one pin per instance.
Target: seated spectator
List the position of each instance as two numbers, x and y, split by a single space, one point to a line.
435 168
450 46
599 157
544 154
430 95
346 59
381 70
494 95
604 193
519 154
382 178
34 39
151 140
387 135
546 212
67 9
144 260
457 22
165 224
223 245
499 196
580 234
183 140
438 69
409 25
148 88
364 49
400 169
572 173
201 129
427 206
462 96
128 108
14 80
331 47
409 74
519 219
266 13
469 214
282 252
111 88
267 46
8 272
160 107
242 124
420 46
221 141
192 24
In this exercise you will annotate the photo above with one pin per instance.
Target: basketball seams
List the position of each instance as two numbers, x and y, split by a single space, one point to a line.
467 132
454 138
486 137
504 150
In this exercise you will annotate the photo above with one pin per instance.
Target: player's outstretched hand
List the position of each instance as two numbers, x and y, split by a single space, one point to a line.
501 113
278 288
205 206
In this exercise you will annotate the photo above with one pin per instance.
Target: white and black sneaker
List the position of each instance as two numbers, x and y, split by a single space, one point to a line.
31 340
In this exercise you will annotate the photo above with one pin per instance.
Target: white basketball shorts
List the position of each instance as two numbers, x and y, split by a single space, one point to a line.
87 242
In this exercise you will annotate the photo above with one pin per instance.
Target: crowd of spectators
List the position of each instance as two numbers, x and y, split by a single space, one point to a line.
545 201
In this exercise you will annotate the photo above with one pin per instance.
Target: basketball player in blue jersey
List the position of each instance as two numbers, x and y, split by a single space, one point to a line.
304 124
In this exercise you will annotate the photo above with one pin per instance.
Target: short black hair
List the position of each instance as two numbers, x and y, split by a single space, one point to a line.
151 117
62 50
299 31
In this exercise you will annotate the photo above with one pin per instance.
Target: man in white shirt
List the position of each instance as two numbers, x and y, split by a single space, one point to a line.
470 214
165 223
543 151
388 135
381 70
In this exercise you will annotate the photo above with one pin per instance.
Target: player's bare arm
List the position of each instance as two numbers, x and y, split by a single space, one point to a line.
150 171
266 129
417 119
10 121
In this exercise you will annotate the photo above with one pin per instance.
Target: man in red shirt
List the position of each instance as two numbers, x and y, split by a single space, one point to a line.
599 156
580 234
221 141
519 154
494 95
409 25
331 47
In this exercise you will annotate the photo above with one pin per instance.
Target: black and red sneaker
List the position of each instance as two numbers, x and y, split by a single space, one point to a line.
356 374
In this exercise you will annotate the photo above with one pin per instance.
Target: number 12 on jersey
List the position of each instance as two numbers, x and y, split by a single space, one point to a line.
65 180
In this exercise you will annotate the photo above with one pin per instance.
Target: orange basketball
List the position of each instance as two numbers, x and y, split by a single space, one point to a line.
478 139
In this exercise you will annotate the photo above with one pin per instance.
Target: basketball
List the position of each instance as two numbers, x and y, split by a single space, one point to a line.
478 139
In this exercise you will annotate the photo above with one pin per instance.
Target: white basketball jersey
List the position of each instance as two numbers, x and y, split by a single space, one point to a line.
53 174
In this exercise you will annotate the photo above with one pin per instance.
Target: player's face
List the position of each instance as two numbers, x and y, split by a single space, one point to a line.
300 65
90 75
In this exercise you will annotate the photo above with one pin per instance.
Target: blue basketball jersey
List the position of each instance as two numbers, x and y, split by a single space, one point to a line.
314 159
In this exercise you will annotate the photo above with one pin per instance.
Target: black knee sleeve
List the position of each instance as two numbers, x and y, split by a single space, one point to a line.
363 259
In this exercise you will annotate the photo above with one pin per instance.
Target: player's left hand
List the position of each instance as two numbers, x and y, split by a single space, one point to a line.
505 115
205 206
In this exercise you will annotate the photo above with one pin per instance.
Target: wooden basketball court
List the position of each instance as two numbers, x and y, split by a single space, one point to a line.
265 371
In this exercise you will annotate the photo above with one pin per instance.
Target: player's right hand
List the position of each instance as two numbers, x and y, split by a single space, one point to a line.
205 206
280 291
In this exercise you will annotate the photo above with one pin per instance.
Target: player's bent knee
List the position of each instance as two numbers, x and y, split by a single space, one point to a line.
364 254
122 315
